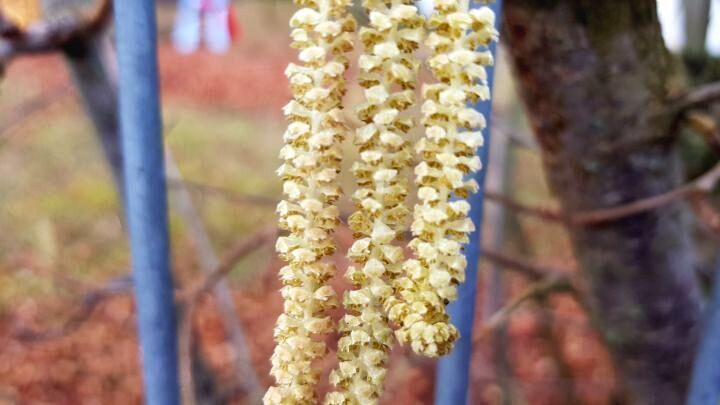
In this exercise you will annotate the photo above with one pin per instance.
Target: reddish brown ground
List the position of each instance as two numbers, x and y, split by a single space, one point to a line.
98 362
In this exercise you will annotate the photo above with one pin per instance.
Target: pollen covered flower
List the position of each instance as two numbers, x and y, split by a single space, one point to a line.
321 30
448 155
388 74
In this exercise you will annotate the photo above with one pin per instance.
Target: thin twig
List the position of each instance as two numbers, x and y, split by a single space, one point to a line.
182 202
523 139
185 342
706 126
32 107
697 97
241 249
524 268
546 213
124 286
704 210
90 302
546 331
225 193
702 185
499 176
552 285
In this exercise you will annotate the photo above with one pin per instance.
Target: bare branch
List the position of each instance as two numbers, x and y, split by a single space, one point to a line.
90 302
522 139
702 185
545 213
124 285
706 126
224 193
182 202
547 319
522 267
707 214
185 343
32 107
697 97
541 289
241 249
50 36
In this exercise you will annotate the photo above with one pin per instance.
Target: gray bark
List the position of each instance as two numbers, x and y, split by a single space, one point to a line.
697 19
593 77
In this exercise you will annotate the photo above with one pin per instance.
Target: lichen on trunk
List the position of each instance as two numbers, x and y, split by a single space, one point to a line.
593 75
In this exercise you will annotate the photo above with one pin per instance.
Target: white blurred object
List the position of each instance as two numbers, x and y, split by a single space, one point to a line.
202 20
186 31
670 13
426 7
216 31
713 39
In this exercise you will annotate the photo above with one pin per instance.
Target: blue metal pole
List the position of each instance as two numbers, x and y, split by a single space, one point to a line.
705 384
146 197
453 373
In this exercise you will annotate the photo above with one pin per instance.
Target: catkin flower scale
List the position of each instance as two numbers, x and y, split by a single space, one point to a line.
311 163
388 73
447 155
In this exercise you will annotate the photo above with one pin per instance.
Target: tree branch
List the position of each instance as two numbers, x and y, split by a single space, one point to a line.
226 194
241 249
707 214
697 97
90 302
558 284
124 285
705 125
522 267
33 106
181 201
702 185
546 280
49 36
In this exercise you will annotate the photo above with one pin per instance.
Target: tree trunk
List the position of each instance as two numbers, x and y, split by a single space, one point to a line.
593 75
697 19
96 83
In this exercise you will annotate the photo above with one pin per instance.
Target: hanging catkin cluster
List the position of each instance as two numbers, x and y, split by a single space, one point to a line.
412 294
321 30
447 154
388 73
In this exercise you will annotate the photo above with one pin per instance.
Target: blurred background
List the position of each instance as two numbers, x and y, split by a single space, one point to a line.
67 330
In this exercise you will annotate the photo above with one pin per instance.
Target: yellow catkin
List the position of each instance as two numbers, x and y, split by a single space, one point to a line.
388 73
22 13
321 31
447 155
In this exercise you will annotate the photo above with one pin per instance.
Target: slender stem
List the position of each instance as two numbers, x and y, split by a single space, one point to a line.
705 383
146 198
181 200
94 77
499 178
452 379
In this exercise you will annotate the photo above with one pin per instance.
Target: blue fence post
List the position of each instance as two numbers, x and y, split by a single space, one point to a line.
146 197
705 384
453 373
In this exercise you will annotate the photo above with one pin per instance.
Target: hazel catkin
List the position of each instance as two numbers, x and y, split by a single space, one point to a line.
321 31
